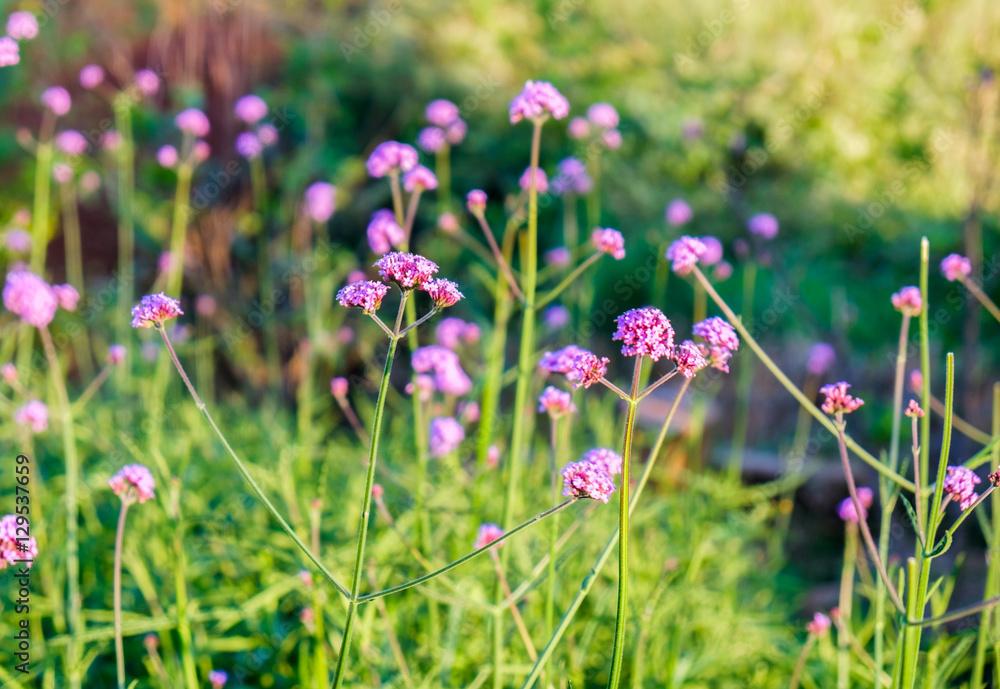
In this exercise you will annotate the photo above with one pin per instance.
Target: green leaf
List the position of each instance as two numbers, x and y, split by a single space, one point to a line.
941 547
913 520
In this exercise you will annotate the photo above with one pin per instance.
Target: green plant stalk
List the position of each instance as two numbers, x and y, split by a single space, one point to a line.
72 510
265 281
888 504
43 188
183 623
571 230
594 197
125 155
119 645
71 236
846 598
550 588
442 167
979 294
800 664
178 229
744 381
345 646
609 547
245 472
321 673
925 369
897 392
568 280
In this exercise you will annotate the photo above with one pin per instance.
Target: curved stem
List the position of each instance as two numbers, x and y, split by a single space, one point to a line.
178 230
897 392
744 379
846 598
119 645
800 664
411 215
979 294
498 256
568 280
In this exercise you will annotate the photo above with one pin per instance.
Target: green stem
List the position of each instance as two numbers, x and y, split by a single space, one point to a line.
71 236
183 623
925 367
43 186
846 596
178 230
568 280
744 382
993 570
443 170
119 645
800 664
897 392
979 294
125 156
265 281
550 589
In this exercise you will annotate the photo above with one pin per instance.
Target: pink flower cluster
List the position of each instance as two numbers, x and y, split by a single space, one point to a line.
153 309
391 158
419 179
609 241
443 293
689 359
537 101
678 212
383 231
960 484
587 369
448 128
541 180
955 267
445 436
606 459
721 338
908 301
250 108
601 121
572 178
449 377
133 483
820 359
194 122
452 332
819 625
913 410
488 533
685 253
845 509
34 414
57 99
16 549
475 201
406 270
589 478
366 295
555 402
321 201
763 225
838 399
30 298
645 332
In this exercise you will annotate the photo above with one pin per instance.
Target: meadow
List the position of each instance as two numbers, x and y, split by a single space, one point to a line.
499 344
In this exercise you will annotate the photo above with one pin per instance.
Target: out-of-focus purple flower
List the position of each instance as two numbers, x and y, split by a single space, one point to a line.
218 679
16 550
603 115
22 26
455 132
34 414
689 358
488 533
763 225
819 625
90 181
609 241
441 112
537 101
713 251
383 232
167 156
147 81
153 309
111 140
9 373
406 270
493 456
449 332
205 305
556 317
338 386
846 510
250 108
133 483
449 377
723 271
200 151
955 267
541 180
345 335
908 301
18 241
446 435
612 139
606 459
555 402
572 178
560 257
391 157
424 387
960 484
838 399
116 354
587 369
587 480
443 293
321 201
62 173
67 296
579 128
717 333
472 333
366 295
469 412
685 253
248 145
268 134
916 381
645 332
448 223
419 179
91 76
692 128
10 52
561 360
741 247
57 99
475 201
194 122
355 276
914 410
821 358
432 139
679 212
30 297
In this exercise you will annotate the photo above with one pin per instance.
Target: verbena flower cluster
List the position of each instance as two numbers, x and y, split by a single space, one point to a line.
846 511
838 399
154 309
591 476
133 483
960 484
16 549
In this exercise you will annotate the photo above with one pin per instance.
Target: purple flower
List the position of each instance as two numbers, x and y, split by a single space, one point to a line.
34 414
608 460
338 386
449 377
432 139
18 241
475 201
22 26
821 358
685 253
455 132
193 121
916 381
541 180
267 134
16 550
556 317
587 369
679 212
441 112
560 361
248 145
449 332
579 128
218 679
960 484
383 232
603 115
57 100
250 108
819 625
391 157
689 358
111 140
764 225
713 251
587 480
838 400
609 241
913 410
645 332
446 435
91 76
153 309
908 301
116 354
200 150
846 511
133 483
612 138
10 53
30 297
67 296
62 173
560 257
406 270
9 373
555 402
443 293
448 222
717 333
537 101
955 267
71 142
487 534
419 178
424 387
692 128
147 81
572 178
321 201
366 295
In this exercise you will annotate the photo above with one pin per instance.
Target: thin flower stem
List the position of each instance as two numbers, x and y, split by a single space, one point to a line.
609 547
916 482
119 645
614 388
462 560
411 215
568 280
397 201
498 255
965 513
979 294
43 186
862 523
178 230
992 587
984 455
125 158
954 614
515 613
246 473
550 588
397 650
897 392
94 386
846 598
863 454
800 664
352 419
658 383
925 367
413 325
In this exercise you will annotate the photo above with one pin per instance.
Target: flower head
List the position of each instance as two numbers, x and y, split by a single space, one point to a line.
133 483
955 267
723 271
717 333
487 534
555 402
608 460
91 76
406 270
248 145
838 400
116 354
556 317
391 157
450 331
609 241
16 549
448 223
443 292
559 256
449 377
67 296
820 359
455 132
916 381
193 121
572 178
250 108
908 301
268 134
645 332
57 100
603 115
441 112
62 173
685 253
71 142
153 309
432 139
18 241
612 138
218 679
587 480
561 360
147 81
845 509
9 373
321 201
819 625
10 52
34 414
446 435
537 101
383 231
913 410
763 225
475 201
419 178
713 250
338 386
587 369
22 26
689 358
679 212
366 295
960 484
30 297
579 128
541 180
